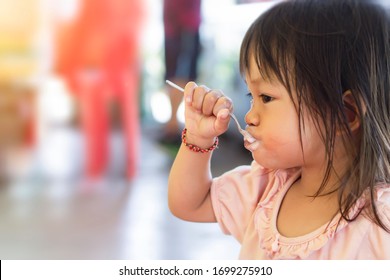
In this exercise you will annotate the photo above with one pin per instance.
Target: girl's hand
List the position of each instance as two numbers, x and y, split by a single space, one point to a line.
206 113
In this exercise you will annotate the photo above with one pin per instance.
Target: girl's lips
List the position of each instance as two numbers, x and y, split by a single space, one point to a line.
251 146
248 137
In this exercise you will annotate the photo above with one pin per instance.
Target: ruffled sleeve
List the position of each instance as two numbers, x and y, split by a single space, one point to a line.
235 196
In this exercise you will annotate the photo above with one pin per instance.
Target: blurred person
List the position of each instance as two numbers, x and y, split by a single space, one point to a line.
182 19
98 54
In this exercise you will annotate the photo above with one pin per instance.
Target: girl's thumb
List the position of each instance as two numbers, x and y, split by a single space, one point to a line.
222 122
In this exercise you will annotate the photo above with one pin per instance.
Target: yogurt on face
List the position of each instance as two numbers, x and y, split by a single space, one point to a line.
251 146
248 137
250 142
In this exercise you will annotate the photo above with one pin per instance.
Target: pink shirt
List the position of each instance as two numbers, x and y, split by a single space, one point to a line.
246 202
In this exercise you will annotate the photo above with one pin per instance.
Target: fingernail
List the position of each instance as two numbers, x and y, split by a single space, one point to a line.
224 114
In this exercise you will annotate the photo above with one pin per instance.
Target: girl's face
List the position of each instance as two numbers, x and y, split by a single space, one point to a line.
273 120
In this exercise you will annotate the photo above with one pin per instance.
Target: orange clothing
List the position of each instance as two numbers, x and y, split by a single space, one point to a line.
98 54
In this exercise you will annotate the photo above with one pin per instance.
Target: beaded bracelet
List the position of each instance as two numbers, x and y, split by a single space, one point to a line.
195 148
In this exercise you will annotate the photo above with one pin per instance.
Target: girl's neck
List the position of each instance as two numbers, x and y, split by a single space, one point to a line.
301 212
312 178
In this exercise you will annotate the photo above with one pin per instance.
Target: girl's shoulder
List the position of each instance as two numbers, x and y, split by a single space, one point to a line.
237 193
382 195
376 244
361 212
380 198
382 203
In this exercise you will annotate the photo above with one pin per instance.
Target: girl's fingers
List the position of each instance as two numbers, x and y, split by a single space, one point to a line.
205 101
198 96
209 102
222 103
189 92
222 121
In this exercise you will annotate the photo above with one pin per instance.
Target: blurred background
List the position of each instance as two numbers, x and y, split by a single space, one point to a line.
84 109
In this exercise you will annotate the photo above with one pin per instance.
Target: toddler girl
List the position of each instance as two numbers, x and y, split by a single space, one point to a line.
318 73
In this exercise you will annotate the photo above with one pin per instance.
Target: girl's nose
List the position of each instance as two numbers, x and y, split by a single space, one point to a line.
252 118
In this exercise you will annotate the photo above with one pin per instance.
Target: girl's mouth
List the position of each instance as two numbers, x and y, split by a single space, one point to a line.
251 146
248 137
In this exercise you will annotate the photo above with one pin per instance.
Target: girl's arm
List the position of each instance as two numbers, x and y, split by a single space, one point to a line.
206 117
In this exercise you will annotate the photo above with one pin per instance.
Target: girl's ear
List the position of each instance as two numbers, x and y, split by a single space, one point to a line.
351 110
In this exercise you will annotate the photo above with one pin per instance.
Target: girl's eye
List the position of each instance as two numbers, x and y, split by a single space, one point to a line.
266 98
